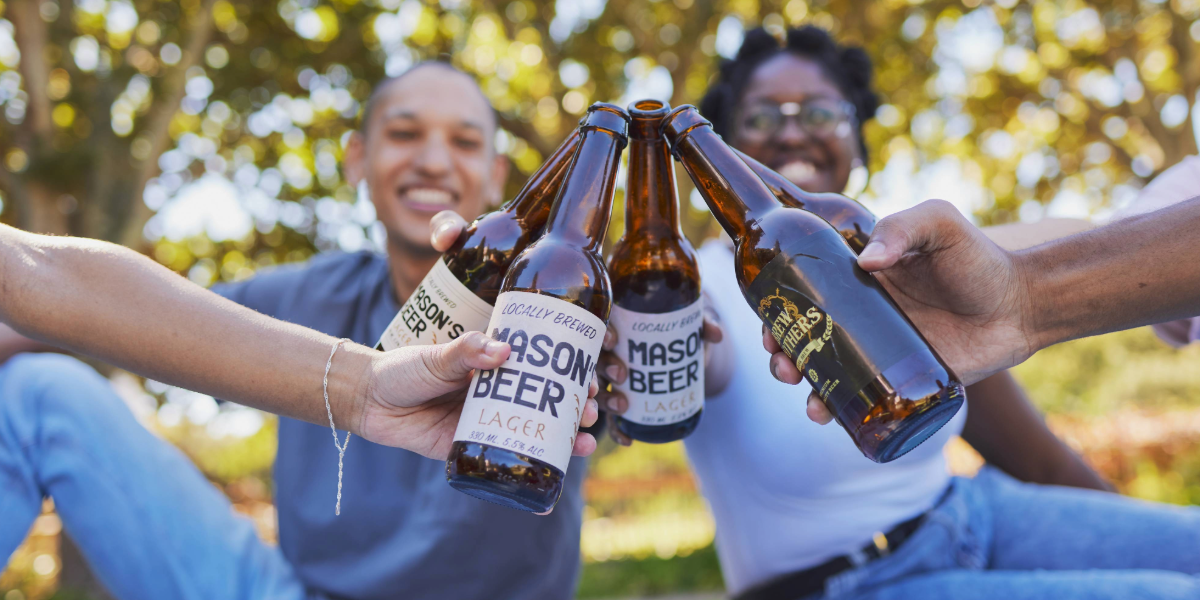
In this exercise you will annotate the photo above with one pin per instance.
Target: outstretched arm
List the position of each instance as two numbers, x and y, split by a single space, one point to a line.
109 302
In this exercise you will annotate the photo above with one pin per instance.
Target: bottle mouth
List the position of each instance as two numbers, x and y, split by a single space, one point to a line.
648 109
607 116
646 117
678 123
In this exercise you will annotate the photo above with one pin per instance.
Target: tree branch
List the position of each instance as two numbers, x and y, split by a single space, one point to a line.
525 131
30 34
158 129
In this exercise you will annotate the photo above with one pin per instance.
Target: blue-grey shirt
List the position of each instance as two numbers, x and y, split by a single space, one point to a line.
403 531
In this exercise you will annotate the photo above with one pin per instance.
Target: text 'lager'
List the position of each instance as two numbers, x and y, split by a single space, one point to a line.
519 421
658 313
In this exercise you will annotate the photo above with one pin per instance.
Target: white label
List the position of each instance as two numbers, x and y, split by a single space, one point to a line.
665 357
533 402
440 310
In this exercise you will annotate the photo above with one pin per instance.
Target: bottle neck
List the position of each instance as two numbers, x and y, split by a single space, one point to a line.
580 213
533 202
651 202
736 196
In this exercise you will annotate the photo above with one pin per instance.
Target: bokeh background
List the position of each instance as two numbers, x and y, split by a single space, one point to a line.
209 133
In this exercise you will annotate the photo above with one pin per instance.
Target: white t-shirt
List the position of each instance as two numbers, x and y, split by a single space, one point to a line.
788 494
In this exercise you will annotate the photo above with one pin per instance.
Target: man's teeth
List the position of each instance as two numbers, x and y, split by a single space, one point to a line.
430 196
798 170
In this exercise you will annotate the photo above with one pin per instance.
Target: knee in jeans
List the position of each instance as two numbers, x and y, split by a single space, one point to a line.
56 383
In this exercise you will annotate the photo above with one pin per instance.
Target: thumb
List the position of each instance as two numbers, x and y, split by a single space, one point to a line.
911 230
446 227
453 362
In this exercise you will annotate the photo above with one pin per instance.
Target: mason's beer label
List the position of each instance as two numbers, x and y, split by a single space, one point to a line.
440 310
532 403
664 354
816 325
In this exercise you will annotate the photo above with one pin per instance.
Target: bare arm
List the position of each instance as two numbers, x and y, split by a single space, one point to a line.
109 302
1135 272
1002 424
13 343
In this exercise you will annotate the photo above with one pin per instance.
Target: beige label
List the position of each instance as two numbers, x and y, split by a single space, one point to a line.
439 310
664 354
532 403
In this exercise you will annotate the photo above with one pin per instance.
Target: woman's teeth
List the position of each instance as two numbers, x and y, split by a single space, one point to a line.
430 196
798 170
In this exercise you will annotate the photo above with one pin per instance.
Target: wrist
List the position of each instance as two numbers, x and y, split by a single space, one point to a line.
1036 311
350 382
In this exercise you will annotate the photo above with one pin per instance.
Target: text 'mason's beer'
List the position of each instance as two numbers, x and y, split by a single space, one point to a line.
519 422
657 313
872 368
457 295
850 218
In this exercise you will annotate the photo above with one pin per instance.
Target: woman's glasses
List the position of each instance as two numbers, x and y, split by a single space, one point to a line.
820 117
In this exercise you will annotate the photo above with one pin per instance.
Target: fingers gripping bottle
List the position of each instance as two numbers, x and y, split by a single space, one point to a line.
457 295
657 313
519 421
879 377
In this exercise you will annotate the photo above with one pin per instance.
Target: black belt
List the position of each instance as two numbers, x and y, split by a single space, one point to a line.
812 580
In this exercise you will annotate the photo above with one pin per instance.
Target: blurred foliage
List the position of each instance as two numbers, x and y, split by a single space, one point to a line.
1099 375
115 110
113 107
632 578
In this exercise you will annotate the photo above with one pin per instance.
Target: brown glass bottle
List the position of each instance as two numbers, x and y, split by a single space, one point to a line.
657 311
879 377
519 422
478 261
850 218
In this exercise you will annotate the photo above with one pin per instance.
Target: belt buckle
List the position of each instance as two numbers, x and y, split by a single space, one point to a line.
881 544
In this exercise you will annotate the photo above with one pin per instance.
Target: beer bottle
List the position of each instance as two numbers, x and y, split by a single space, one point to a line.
657 310
457 295
879 377
850 218
519 422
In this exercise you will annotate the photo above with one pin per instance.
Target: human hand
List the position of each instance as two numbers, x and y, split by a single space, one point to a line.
612 372
414 395
966 295
446 227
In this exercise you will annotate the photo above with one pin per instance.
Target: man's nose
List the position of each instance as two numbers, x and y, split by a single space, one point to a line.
435 159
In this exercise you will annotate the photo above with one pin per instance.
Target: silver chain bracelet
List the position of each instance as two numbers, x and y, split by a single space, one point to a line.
340 445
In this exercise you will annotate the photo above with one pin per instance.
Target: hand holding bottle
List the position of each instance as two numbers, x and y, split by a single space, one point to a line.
964 292
415 395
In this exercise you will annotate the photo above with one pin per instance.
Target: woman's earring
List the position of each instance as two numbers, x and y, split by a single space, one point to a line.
857 182
364 192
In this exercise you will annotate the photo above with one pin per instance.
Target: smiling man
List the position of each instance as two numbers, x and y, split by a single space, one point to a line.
425 145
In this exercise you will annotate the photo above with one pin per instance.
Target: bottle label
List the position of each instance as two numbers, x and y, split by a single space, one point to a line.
533 402
664 354
440 310
830 317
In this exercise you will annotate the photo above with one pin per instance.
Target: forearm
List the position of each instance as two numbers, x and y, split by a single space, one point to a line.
1135 272
1005 428
112 303
13 343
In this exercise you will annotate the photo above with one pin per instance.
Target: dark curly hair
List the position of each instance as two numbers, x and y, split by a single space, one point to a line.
848 67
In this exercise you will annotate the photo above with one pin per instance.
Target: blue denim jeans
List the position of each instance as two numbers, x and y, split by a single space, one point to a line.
150 525
995 538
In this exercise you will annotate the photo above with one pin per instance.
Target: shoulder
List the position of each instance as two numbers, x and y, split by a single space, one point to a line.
326 272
